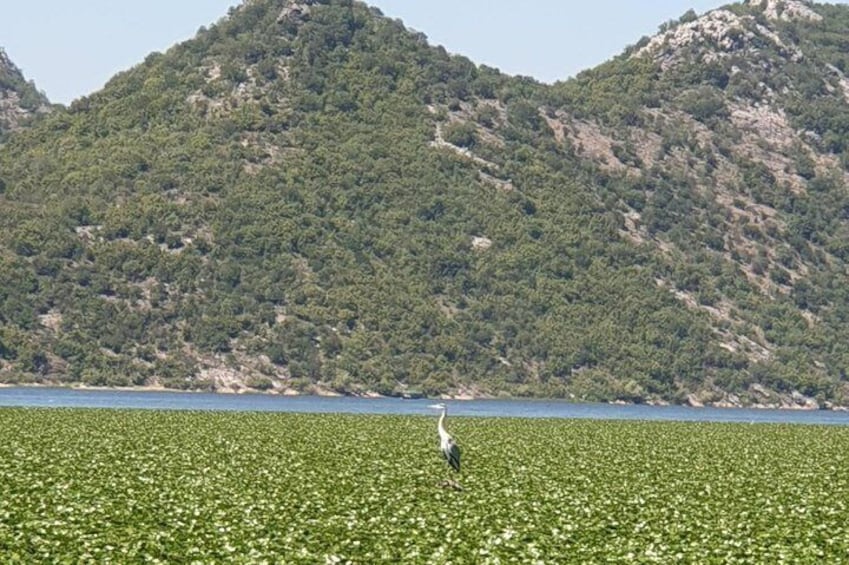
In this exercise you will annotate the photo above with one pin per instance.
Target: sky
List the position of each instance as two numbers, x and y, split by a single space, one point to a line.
71 49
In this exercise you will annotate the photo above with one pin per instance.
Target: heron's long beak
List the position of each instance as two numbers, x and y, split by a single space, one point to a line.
437 406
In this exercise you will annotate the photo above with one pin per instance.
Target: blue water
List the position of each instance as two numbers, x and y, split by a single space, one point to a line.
65 397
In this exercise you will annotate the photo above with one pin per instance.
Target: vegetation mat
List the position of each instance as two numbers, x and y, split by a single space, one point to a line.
127 486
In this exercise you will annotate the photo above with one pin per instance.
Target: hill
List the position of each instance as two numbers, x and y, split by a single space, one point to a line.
308 196
19 99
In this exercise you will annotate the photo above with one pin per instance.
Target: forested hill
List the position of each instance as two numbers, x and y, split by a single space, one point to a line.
19 99
308 196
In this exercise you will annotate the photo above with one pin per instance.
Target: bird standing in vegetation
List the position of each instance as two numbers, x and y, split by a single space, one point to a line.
449 448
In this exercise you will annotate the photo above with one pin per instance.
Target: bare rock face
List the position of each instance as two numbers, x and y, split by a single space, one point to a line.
11 111
786 10
19 99
296 11
721 33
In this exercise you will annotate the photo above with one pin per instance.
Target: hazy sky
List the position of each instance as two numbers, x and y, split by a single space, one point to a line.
71 49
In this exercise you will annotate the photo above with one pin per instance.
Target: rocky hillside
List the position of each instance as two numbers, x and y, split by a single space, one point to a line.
727 154
19 99
308 196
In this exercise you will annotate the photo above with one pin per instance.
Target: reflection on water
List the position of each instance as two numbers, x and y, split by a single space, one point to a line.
158 400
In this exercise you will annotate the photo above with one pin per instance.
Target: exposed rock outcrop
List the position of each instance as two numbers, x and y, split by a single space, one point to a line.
19 99
786 10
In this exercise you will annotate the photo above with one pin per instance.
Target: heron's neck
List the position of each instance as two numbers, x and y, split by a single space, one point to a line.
441 425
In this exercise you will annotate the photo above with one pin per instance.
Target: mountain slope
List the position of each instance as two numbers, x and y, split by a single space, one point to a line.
727 155
308 194
19 99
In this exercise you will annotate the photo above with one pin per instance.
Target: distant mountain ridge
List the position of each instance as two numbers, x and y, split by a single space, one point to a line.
308 197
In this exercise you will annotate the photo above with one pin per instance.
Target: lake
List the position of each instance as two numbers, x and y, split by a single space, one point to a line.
167 400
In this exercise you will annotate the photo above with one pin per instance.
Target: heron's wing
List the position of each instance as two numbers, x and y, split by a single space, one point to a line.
452 455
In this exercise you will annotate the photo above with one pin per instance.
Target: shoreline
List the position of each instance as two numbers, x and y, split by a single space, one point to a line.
460 396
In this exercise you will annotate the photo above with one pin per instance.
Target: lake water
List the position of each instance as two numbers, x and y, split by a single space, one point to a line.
156 400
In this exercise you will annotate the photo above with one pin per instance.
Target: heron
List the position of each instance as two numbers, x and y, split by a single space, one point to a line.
449 448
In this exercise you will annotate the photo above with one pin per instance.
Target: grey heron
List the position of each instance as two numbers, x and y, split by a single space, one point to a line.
449 448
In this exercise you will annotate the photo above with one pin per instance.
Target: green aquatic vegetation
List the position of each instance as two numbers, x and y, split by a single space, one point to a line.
154 486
